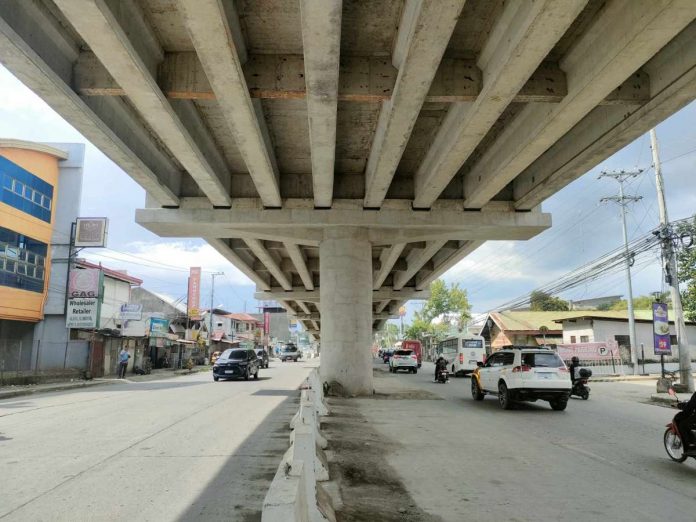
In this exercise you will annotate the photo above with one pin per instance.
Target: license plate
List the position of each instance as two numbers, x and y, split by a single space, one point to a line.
472 362
545 375
229 371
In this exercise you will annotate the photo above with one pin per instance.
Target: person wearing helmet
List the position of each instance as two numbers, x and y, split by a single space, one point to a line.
574 365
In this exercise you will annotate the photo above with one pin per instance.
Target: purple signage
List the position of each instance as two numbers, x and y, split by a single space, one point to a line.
661 337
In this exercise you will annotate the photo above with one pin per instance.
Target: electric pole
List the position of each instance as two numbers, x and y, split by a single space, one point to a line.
212 297
670 269
622 200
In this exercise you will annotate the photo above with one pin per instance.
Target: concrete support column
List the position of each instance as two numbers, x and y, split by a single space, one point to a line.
345 268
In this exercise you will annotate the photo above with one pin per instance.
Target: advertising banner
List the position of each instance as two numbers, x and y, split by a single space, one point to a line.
661 338
266 323
131 312
91 232
82 313
84 283
589 351
194 293
158 327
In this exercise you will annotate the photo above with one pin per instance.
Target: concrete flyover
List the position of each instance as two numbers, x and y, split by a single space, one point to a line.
344 154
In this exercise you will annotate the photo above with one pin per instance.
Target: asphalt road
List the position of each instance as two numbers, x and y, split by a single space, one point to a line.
184 448
601 459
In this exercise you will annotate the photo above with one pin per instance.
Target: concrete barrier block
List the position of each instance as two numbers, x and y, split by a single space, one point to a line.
286 499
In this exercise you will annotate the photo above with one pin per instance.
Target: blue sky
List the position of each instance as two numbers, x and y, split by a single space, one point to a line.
583 228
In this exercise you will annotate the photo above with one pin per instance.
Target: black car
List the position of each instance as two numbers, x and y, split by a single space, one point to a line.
290 353
263 357
236 363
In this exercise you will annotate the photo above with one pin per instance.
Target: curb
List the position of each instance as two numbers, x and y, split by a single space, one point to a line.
662 399
59 387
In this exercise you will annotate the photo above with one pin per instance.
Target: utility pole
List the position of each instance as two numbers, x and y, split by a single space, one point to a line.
212 296
622 200
670 268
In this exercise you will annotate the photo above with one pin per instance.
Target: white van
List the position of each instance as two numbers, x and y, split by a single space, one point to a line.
463 352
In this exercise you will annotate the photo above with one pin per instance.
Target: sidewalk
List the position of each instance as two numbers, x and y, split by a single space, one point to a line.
9 392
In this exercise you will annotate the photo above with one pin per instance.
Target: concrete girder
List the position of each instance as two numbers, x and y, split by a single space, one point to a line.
321 40
222 246
303 306
267 259
110 124
388 259
424 280
522 37
415 261
424 32
312 296
208 27
606 130
288 266
133 63
623 36
299 222
300 264
316 316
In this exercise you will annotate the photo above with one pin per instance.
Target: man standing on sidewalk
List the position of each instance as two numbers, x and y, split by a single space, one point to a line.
123 357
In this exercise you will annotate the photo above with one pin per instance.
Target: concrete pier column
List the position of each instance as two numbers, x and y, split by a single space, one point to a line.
345 268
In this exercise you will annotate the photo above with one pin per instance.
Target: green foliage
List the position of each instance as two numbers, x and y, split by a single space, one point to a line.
389 335
452 301
686 268
543 302
642 302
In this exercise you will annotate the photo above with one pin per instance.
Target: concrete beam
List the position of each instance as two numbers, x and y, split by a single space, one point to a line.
299 222
607 130
523 36
42 60
267 259
315 316
287 265
300 263
321 41
303 306
133 64
415 261
222 246
388 259
312 296
424 32
206 21
632 31
423 280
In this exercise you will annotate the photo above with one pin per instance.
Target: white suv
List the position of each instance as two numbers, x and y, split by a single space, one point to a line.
403 360
523 373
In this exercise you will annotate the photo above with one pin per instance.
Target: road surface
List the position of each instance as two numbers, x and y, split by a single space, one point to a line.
183 448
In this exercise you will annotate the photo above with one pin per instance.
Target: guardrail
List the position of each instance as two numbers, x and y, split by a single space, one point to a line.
295 494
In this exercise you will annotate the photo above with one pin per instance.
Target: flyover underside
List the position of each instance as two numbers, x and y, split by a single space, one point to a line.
431 126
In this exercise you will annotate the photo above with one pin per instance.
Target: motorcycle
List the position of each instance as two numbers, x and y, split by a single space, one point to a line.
443 376
580 388
673 440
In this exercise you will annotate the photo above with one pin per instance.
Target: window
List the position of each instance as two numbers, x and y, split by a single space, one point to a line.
24 191
508 359
22 261
673 340
623 340
542 360
584 339
573 339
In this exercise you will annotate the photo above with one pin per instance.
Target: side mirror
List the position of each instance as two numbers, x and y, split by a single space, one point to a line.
479 364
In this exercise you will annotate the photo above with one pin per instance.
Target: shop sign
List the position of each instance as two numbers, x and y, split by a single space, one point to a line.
82 313
84 283
158 327
661 338
194 293
131 312
589 351
90 232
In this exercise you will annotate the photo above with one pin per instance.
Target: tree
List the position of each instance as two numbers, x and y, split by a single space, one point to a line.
389 335
642 302
543 302
450 302
686 268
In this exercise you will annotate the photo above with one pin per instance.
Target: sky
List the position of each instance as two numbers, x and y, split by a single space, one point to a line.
583 228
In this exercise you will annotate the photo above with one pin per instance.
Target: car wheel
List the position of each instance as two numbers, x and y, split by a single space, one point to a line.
256 375
216 378
504 396
453 374
476 392
585 395
246 374
559 404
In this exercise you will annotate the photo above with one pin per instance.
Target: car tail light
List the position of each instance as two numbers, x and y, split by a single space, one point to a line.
523 368
563 369
414 357
461 358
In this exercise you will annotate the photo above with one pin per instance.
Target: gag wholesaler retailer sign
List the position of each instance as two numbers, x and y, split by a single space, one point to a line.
82 313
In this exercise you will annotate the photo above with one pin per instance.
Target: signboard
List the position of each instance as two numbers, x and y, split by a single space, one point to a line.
158 327
90 232
82 313
292 325
661 337
266 323
84 282
131 312
589 351
194 293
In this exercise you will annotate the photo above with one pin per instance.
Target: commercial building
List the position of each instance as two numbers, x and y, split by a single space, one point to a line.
40 190
522 328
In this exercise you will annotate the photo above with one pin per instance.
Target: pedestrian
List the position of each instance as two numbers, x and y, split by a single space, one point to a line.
123 357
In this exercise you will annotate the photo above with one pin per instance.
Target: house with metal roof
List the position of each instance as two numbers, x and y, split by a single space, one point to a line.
522 327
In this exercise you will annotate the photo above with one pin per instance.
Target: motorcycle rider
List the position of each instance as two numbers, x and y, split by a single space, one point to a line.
574 365
440 364
686 420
